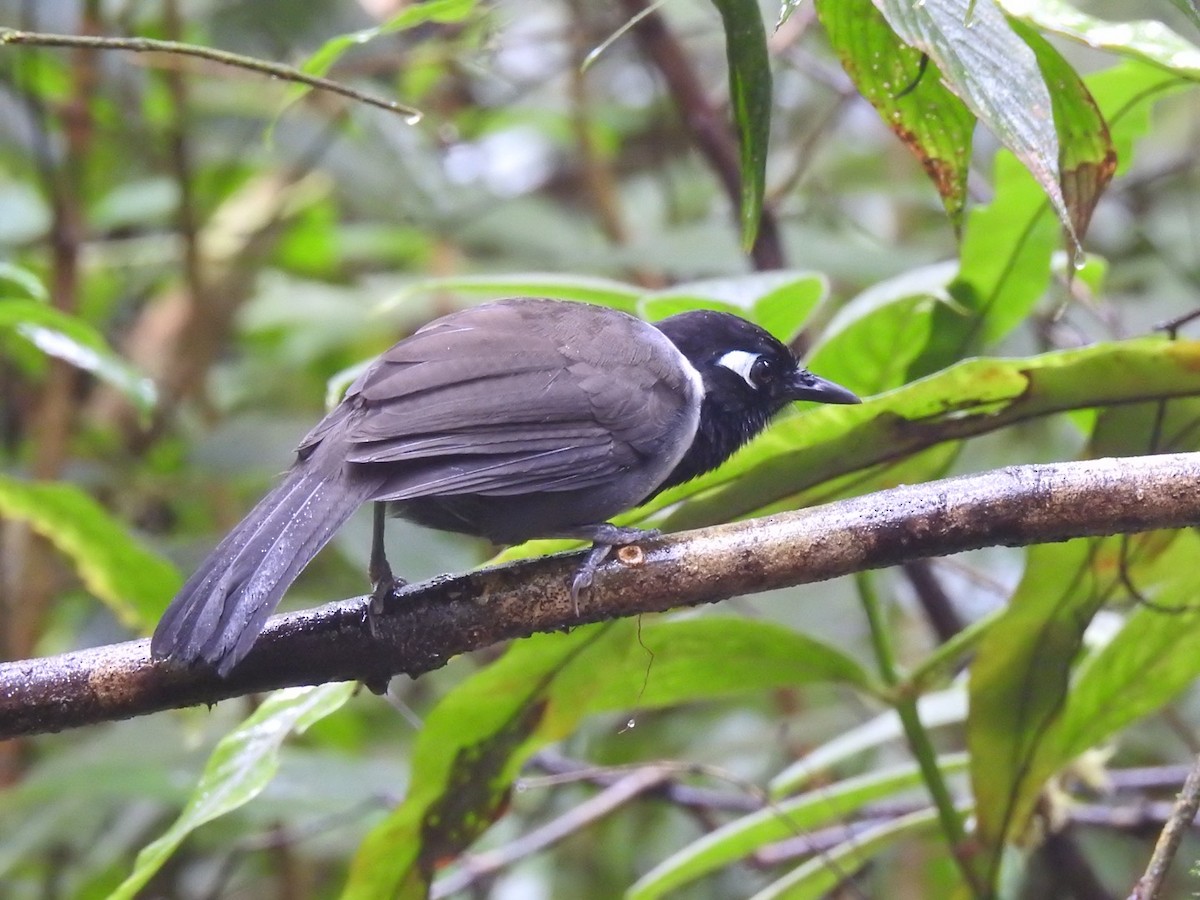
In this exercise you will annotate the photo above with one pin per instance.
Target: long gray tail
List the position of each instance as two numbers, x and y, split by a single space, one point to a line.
219 612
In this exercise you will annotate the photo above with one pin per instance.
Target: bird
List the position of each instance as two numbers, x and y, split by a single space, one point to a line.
510 420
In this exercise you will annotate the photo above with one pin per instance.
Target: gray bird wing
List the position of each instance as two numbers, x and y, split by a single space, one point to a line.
521 397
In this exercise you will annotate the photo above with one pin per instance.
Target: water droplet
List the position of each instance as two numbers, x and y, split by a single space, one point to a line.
413 118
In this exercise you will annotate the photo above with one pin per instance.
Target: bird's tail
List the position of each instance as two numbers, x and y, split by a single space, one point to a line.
219 612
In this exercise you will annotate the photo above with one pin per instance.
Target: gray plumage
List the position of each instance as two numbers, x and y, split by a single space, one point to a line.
509 421
517 419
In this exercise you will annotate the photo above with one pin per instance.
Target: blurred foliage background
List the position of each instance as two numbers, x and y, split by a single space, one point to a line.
192 255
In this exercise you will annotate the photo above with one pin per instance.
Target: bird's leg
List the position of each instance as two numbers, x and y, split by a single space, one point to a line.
604 537
383 582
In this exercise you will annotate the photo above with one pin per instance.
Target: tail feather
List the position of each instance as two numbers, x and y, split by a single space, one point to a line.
221 609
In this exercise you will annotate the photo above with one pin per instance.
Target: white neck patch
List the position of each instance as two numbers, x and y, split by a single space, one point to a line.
741 362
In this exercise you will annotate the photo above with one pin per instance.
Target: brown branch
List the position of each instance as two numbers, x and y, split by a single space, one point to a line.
180 158
434 621
561 769
54 416
236 60
1149 886
710 129
935 602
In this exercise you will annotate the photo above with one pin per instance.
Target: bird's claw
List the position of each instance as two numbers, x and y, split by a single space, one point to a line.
604 541
383 591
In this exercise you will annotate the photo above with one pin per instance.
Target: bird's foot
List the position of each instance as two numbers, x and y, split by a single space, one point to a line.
384 587
604 539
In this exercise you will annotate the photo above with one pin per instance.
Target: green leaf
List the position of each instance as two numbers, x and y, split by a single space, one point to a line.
993 72
1133 429
937 710
1019 682
1004 264
1087 158
1009 243
688 659
779 301
872 342
25 280
474 742
241 765
584 288
907 90
1004 268
1126 95
410 16
72 340
1147 664
826 805
971 398
750 97
1030 714
1145 39
132 581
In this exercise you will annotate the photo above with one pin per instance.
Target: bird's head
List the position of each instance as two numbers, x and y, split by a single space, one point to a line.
745 368
748 376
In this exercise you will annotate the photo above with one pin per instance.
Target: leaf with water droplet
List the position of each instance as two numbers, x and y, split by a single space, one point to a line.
907 90
984 62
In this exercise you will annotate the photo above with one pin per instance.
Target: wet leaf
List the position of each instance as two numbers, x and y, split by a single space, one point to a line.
473 744
129 579
907 90
241 765
750 99
987 65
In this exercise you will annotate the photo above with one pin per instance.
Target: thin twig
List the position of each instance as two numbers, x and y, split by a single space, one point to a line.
560 769
480 866
1184 813
223 57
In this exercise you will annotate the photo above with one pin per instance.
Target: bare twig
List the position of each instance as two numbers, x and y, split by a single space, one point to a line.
478 867
934 600
561 769
1150 884
223 57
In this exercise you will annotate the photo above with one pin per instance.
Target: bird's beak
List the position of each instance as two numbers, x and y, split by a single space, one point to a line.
807 386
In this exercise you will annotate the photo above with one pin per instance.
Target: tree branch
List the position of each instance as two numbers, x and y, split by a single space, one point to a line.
432 622
1183 816
236 60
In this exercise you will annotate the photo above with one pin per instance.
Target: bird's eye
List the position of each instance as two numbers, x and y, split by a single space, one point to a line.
756 369
762 371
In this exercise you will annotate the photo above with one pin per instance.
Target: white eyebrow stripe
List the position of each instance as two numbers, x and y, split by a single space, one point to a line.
741 362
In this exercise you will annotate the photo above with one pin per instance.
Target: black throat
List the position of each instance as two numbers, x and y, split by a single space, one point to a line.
720 433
